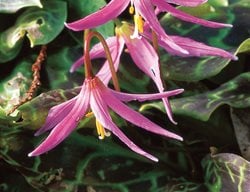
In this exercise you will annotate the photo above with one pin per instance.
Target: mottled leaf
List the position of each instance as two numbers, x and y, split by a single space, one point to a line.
15 85
41 26
200 106
194 68
227 172
11 6
241 122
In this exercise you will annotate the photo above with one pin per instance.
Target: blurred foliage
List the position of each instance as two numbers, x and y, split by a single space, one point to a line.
212 113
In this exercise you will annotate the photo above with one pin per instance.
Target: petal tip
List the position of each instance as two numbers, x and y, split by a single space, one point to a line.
235 58
30 154
69 26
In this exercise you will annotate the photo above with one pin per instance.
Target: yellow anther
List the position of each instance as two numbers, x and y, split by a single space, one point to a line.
100 130
131 9
139 23
89 114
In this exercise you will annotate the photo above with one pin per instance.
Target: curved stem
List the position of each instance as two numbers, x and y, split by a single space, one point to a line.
87 60
155 42
88 67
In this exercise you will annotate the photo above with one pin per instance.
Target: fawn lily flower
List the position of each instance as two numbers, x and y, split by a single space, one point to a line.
98 98
144 10
94 95
195 48
142 53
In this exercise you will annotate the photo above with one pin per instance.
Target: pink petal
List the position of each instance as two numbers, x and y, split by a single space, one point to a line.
133 116
146 59
187 3
146 10
200 49
101 113
195 48
163 6
126 97
104 73
56 115
105 14
66 126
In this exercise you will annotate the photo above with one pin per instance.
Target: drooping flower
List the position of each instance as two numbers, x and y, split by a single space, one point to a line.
144 10
144 55
96 97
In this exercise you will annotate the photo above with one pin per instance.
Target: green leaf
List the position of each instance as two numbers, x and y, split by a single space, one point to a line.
11 6
226 172
41 26
58 65
194 68
200 106
219 3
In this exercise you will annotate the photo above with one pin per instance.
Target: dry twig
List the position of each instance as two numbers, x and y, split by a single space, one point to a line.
36 68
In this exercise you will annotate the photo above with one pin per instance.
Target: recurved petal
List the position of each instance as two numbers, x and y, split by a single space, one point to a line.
146 10
189 3
104 73
105 14
56 115
66 126
133 116
200 49
101 113
126 97
145 57
163 6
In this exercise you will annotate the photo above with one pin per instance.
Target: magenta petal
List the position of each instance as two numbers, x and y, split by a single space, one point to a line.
101 113
163 6
126 97
133 116
145 57
104 73
66 126
56 115
105 14
143 97
187 3
146 10
200 49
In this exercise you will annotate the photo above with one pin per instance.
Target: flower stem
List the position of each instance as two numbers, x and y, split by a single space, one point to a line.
155 42
86 50
88 66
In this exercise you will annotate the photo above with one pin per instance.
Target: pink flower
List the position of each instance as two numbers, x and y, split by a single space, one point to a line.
96 97
144 9
144 56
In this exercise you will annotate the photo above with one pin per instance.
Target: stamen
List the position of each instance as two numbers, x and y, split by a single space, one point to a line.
131 9
89 114
139 24
139 21
101 131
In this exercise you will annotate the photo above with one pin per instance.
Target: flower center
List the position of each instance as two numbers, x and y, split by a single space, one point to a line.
139 22
100 129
